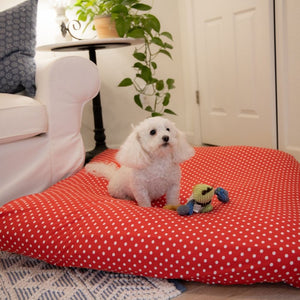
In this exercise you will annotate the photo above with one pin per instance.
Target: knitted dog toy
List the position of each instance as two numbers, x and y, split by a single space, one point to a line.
200 200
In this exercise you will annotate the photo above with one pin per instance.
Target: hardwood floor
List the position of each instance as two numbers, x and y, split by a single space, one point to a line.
197 291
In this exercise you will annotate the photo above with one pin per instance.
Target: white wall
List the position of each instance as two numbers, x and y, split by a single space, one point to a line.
119 109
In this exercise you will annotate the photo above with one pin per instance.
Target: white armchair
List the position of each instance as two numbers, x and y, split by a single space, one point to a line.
40 140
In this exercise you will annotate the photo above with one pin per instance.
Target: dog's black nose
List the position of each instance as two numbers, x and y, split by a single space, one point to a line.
165 138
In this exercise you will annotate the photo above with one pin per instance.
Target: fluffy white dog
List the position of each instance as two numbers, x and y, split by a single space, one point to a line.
149 159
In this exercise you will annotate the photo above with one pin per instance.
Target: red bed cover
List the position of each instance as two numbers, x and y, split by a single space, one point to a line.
253 238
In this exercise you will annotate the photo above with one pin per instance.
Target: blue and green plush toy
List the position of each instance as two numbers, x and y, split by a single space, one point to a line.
200 200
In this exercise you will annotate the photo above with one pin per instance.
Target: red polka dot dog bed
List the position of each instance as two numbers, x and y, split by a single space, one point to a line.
255 237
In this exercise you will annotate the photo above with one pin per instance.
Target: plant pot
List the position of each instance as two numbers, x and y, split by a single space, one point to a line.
105 27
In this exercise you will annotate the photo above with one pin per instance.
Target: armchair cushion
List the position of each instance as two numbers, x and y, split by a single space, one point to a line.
17 48
21 117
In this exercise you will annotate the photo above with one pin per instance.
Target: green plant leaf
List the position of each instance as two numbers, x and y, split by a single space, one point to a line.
168 46
136 33
168 35
126 82
149 108
141 6
156 114
166 99
169 111
137 100
153 80
157 41
165 52
154 65
138 65
139 56
152 22
170 83
82 17
122 26
119 9
146 74
160 85
129 2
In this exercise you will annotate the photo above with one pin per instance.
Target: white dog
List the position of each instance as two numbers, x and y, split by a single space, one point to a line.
149 159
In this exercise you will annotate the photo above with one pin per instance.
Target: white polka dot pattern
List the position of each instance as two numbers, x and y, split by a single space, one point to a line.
253 238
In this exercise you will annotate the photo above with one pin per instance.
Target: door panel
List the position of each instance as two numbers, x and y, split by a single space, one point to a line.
235 63
288 74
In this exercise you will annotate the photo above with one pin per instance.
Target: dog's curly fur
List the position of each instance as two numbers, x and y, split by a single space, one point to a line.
149 159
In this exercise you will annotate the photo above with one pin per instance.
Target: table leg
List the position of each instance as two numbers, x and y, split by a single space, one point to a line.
98 121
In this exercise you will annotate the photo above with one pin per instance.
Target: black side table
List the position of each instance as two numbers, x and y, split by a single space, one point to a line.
92 46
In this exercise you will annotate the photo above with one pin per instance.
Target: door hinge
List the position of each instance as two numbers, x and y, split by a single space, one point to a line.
198 97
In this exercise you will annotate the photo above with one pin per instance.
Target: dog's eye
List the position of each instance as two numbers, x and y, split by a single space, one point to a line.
153 132
168 129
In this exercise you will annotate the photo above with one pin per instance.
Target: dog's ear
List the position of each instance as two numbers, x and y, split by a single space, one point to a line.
183 150
131 153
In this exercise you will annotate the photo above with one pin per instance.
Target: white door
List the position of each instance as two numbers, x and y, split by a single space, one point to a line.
235 62
288 75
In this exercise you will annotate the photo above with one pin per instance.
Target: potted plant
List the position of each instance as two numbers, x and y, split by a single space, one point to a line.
133 20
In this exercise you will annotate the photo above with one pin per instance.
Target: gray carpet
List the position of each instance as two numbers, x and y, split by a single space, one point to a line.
26 278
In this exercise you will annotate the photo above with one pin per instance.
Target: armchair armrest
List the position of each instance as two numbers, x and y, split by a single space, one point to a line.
64 86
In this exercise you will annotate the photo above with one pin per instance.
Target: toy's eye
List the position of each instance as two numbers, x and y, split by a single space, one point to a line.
204 192
168 129
153 132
